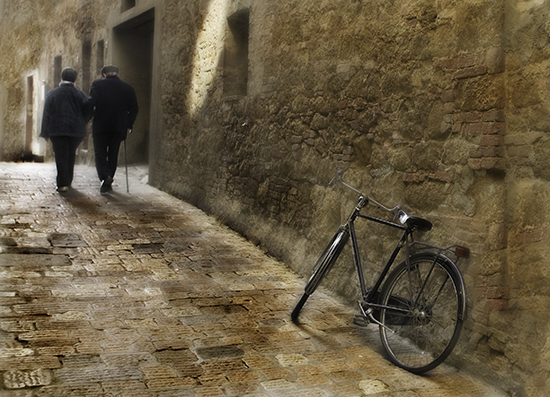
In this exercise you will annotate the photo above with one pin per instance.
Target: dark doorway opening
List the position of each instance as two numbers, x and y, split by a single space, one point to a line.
133 54
29 120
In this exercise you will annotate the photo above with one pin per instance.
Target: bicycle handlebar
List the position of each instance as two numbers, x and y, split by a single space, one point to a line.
404 217
396 210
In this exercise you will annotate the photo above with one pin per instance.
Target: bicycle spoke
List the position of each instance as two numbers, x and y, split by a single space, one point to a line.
424 337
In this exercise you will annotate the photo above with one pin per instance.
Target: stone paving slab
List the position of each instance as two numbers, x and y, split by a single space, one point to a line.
142 294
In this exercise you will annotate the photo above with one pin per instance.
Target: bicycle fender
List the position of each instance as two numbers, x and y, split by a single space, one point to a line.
454 268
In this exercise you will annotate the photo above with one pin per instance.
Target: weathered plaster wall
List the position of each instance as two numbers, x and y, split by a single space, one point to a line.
33 34
15 66
441 106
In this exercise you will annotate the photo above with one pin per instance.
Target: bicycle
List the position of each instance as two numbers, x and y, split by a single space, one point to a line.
421 306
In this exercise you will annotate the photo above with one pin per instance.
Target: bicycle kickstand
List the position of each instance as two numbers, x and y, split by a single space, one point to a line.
367 318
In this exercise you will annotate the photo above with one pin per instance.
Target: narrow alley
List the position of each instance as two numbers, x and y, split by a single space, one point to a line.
141 294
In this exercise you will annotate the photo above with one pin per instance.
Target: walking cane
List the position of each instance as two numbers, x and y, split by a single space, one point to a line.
126 165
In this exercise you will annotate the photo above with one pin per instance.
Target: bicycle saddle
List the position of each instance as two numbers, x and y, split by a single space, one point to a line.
420 224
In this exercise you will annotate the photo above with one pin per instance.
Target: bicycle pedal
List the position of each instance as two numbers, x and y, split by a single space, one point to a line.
361 321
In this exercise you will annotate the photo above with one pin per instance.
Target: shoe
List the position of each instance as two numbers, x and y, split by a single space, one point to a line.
106 185
63 189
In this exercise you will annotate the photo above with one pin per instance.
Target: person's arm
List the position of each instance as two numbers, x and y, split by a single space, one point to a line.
46 118
87 108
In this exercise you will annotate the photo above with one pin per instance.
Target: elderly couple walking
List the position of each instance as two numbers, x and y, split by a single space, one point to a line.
113 105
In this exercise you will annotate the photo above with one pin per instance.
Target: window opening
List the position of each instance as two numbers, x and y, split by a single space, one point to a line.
57 70
127 4
100 55
86 76
86 64
29 119
235 77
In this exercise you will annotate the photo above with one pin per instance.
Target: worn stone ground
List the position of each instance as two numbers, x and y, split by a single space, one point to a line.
142 294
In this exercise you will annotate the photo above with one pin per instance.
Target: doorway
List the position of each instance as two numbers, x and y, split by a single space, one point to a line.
133 54
29 119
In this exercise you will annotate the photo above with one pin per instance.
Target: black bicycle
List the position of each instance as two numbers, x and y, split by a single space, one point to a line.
421 306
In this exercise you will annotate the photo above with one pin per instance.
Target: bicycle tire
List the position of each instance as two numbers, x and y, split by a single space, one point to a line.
421 338
322 267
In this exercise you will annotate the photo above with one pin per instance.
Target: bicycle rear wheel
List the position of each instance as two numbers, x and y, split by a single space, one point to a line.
322 267
427 297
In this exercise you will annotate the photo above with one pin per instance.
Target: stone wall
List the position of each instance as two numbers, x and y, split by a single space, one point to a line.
413 99
439 106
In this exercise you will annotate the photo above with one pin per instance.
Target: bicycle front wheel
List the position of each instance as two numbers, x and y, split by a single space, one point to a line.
424 301
322 267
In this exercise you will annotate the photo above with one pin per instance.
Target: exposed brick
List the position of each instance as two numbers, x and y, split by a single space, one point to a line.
493 163
491 140
483 128
470 72
487 151
468 117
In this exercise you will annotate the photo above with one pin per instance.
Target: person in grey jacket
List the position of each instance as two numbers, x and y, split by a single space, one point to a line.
64 122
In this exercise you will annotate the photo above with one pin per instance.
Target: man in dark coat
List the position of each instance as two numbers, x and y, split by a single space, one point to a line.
116 109
64 122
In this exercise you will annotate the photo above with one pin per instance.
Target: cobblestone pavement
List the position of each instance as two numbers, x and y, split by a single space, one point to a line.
141 295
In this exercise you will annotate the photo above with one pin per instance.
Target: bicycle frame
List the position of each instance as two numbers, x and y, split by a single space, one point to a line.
369 295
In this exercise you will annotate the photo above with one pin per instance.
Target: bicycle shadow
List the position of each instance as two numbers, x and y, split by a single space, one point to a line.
338 331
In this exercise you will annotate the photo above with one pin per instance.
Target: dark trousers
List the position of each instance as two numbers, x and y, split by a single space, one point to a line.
106 148
64 149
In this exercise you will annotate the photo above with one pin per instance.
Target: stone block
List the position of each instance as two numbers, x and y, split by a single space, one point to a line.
497 237
29 363
494 163
33 260
483 128
219 352
20 379
470 72
292 359
491 140
373 386
495 59
170 383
